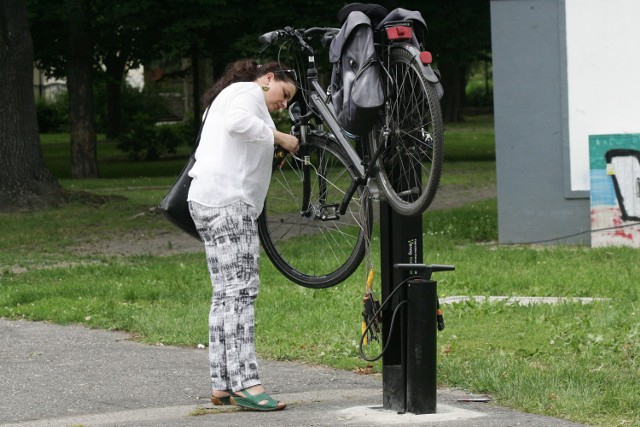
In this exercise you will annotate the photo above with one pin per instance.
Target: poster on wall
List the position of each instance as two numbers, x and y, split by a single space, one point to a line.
615 189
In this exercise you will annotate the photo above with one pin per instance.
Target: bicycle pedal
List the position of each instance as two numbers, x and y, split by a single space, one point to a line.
329 212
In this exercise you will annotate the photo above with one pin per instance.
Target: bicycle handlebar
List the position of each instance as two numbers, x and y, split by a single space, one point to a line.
320 31
270 37
298 35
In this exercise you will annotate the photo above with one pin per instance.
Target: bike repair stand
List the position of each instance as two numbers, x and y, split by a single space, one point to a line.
409 365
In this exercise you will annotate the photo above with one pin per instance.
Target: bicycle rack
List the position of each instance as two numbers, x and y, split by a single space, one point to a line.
409 365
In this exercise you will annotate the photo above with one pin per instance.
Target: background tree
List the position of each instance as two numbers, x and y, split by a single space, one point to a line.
459 36
84 158
122 35
236 35
217 32
129 33
126 34
199 29
25 181
64 48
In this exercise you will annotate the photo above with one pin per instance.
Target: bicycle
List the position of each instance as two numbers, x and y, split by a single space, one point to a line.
323 195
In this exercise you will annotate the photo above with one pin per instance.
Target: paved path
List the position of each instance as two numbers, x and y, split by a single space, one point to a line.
53 375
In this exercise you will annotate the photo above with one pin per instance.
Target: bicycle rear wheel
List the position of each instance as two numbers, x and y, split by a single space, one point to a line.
300 228
411 135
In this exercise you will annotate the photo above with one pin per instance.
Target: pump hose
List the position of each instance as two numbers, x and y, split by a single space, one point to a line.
393 318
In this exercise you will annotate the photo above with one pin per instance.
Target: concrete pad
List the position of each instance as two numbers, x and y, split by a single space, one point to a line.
376 415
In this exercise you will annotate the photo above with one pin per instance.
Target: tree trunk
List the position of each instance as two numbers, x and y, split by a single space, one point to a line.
454 80
84 162
25 181
115 72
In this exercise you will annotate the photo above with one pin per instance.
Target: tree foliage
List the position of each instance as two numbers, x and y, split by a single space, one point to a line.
128 33
78 38
459 35
125 34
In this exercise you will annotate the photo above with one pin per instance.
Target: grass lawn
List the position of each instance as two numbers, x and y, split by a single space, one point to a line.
580 362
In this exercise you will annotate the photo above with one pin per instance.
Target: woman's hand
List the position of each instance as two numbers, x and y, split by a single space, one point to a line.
286 141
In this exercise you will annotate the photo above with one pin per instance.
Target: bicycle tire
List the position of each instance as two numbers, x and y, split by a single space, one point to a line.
310 251
410 165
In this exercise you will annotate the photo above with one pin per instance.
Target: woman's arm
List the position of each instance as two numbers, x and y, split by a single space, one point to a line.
286 141
243 115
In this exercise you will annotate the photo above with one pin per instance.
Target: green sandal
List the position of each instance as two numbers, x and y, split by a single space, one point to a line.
252 402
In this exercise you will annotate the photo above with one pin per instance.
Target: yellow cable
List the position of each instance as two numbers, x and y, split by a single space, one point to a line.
370 279
364 328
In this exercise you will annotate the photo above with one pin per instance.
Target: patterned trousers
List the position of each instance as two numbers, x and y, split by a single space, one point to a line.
230 236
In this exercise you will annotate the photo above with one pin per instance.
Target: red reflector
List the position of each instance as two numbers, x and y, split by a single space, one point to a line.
426 57
399 33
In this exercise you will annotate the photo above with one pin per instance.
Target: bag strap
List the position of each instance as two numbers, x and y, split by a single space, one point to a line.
372 60
195 146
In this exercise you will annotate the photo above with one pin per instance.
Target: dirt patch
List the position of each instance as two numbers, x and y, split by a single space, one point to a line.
175 242
453 196
160 243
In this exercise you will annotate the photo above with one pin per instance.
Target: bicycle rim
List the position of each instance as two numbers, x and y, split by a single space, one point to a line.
411 134
307 240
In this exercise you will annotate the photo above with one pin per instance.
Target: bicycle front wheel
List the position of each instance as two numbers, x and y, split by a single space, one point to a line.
410 135
301 229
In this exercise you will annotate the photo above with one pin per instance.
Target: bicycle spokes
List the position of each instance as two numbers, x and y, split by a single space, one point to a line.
411 135
315 246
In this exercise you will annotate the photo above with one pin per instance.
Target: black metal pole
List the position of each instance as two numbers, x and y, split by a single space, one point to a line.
393 367
400 243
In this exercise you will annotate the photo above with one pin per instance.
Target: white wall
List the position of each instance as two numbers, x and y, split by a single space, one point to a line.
603 74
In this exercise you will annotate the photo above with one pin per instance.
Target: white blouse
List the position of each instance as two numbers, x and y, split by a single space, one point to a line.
235 154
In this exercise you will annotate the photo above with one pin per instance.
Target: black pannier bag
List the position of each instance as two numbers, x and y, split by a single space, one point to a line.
356 86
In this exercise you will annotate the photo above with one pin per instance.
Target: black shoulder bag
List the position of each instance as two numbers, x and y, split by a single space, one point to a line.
174 206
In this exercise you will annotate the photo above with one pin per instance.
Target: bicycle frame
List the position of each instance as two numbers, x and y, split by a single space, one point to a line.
326 189
321 104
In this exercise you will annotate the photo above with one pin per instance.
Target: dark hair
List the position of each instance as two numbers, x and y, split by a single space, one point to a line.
246 70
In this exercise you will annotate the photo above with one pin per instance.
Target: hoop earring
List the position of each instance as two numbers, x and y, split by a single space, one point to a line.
265 88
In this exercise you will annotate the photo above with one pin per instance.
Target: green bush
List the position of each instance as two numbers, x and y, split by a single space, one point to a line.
140 136
132 103
53 115
477 95
479 89
169 137
146 140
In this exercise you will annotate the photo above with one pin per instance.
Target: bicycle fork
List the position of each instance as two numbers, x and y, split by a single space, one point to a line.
316 209
362 171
